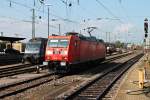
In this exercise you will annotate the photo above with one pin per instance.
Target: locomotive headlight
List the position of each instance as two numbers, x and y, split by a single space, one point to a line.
64 52
49 52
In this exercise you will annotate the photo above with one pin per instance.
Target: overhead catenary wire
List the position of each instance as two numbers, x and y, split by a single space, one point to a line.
126 14
109 11
65 2
99 2
29 7
17 3
124 11
16 20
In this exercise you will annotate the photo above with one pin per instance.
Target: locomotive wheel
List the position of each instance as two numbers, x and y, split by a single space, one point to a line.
68 68
51 67
61 69
26 62
103 59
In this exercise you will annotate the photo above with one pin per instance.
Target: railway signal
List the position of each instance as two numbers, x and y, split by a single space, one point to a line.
144 40
146 44
146 27
146 35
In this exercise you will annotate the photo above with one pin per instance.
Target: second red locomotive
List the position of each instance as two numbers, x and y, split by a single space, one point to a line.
62 52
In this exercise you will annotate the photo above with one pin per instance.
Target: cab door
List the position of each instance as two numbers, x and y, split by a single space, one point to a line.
77 50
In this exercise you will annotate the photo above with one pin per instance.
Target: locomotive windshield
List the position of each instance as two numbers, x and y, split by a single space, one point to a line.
33 47
58 43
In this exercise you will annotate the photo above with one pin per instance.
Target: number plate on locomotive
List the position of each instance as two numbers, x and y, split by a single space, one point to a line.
45 63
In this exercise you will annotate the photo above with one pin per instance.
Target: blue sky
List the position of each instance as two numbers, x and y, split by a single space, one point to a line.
124 20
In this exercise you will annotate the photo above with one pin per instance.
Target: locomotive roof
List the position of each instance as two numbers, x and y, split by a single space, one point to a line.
37 39
100 40
71 33
82 37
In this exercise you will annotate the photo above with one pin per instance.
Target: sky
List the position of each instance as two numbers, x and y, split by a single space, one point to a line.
122 19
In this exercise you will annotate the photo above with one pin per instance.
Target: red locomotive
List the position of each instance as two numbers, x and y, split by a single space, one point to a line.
62 52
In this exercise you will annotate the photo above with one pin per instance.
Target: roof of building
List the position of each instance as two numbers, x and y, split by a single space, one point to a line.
11 39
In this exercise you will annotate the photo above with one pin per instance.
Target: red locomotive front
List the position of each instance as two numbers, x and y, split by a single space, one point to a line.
57 49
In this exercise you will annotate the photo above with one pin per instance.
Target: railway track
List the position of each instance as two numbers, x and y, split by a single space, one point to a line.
111 58
98 87
15 88
24 68
13 67
19 69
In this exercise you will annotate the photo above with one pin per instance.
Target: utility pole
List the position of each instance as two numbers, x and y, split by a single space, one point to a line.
59 29
109 36
48 20
106 36
33 21
115 37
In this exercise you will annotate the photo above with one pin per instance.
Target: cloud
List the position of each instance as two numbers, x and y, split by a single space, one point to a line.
123 28
11 27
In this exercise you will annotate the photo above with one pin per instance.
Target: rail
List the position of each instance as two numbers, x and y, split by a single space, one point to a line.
98 87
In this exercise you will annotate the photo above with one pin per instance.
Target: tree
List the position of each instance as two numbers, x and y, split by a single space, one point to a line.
118 44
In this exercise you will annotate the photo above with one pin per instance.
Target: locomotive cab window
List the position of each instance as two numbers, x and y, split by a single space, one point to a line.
58 43
33 46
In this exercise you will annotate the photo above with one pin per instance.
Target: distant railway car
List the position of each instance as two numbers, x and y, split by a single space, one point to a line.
2 46
19 46
62 52
35 51
110 48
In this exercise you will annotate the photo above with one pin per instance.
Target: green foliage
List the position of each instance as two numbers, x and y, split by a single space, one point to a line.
118 44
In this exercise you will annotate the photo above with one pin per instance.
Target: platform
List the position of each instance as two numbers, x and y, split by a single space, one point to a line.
129 88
